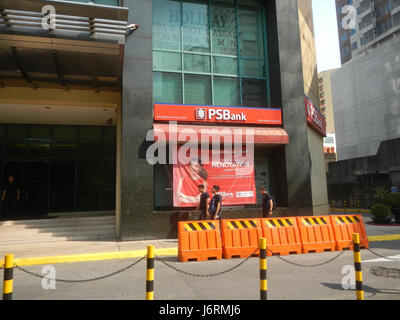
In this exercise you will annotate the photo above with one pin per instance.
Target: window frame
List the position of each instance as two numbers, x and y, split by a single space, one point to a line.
211 55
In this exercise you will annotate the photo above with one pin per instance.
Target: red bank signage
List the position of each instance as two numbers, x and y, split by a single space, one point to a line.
315 118
216 114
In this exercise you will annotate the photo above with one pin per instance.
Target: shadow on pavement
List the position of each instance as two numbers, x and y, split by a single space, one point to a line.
367 289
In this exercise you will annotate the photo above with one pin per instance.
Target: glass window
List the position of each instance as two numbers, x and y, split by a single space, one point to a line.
253 68
197 89
40 132
226 65
167 24
254 93
167 87
250 29
195 20
197 63
64 132
90 133
226 91
224 27
199 42
16 131
167 61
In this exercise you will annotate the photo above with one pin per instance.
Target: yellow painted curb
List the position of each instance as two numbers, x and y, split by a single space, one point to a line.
91 257
352 210
388 237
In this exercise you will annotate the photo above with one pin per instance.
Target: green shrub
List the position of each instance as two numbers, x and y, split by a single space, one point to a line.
380 210
393 200
380 194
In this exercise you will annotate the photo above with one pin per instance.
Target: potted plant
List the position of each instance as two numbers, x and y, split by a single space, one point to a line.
393 200
381 214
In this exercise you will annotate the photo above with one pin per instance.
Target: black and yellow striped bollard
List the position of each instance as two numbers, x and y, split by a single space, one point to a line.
263 269
150 273
345 206
8 276
357 266
333 206
358 206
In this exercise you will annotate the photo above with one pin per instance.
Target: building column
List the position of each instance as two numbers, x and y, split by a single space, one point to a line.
297 154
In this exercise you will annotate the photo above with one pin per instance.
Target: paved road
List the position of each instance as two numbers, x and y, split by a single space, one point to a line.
285 281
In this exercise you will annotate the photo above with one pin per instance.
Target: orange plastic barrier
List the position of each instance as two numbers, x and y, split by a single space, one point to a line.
199 241
316 234
343 228
282 236
240 238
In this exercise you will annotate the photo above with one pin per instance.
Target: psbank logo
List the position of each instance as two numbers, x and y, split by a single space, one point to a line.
201 114
219 114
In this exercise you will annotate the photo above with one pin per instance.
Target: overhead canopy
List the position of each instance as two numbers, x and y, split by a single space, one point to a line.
262 135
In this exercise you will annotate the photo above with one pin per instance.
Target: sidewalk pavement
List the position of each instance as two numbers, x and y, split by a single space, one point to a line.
94 248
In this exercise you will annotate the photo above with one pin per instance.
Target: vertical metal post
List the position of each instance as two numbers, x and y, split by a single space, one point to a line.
8 276
358 206
150 273
333 206
357 266
263 269
345 206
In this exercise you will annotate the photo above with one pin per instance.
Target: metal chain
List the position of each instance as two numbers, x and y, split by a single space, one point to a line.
381 256
2 266
205 275
84 280
308 266
305 265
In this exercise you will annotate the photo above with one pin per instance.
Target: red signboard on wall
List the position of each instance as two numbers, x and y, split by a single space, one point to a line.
236 181
315 118
216 114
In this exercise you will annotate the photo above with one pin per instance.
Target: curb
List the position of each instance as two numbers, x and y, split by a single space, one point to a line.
388 237
91 257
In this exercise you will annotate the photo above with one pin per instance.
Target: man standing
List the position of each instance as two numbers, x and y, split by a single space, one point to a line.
10 196
204 203
267 203
215 205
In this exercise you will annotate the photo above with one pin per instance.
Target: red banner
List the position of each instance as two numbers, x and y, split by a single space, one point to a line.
315 118
235 178
216 114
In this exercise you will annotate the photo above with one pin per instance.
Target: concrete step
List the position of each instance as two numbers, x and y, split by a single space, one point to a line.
54 230
55 221
60 239
58 229
66 225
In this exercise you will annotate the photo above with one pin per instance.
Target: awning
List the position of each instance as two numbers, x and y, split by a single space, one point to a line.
262 135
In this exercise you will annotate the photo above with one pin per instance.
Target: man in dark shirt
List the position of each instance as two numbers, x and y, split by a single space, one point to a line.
10 196
216 204
267 203
204 203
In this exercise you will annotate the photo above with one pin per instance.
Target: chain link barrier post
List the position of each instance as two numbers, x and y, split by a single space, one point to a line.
150 273
358 206
345 206
357 266
8 276
333 206
263 269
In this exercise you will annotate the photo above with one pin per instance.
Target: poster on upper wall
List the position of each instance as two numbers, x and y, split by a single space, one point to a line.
235 178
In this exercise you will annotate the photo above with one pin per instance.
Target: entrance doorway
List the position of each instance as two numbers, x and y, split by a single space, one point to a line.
31 178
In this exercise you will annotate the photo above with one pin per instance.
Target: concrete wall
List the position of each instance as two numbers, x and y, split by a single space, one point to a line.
366 96
329 114
311 89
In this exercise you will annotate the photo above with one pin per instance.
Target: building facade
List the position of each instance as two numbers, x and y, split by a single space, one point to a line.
86 106
326 102
374 21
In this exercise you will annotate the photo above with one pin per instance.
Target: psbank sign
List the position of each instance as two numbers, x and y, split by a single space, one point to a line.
315 118
217 114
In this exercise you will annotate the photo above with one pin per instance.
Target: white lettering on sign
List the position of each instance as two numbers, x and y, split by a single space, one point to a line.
220 114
